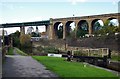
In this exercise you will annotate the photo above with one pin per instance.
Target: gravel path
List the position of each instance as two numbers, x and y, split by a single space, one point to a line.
24 66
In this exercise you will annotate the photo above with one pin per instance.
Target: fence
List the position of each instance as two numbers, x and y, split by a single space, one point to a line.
99 52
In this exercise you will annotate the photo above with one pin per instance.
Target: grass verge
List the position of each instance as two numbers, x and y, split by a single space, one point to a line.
18 51
10 51
115 58
72 69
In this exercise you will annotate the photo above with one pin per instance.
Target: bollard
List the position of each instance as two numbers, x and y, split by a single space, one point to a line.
68 56
105 61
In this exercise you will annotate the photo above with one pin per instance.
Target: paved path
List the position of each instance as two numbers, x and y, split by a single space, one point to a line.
24 66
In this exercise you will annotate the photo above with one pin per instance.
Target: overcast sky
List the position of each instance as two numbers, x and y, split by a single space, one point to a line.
12 11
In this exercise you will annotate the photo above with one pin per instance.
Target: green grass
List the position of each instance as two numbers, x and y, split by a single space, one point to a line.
10 51
115 58
20 52
71 69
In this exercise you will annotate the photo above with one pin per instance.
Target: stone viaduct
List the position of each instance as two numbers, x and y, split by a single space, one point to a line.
78 20
52 24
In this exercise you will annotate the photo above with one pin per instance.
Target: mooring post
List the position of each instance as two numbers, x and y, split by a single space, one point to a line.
105 61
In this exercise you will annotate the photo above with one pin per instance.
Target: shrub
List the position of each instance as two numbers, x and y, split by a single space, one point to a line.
25 41
50 50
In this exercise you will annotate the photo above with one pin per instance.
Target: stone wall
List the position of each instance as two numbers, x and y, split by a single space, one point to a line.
111 42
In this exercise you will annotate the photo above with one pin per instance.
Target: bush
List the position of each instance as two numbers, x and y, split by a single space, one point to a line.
40 48
15 37
26 44
45 50
50 50
24 39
